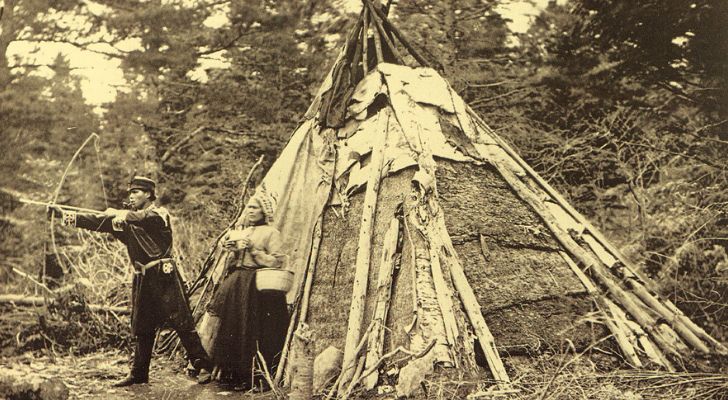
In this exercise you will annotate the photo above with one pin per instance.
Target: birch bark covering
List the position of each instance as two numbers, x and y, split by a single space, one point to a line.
430 324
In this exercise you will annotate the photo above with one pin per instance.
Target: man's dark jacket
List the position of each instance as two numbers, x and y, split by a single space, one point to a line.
157 296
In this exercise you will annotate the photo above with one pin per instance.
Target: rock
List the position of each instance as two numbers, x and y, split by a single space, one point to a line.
412 374
15 384
325 367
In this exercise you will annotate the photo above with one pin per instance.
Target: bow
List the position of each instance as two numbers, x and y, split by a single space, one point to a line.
57 191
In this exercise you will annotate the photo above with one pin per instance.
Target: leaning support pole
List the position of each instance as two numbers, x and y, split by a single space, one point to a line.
611 320
594 267
383 34
365 41
470 303
400 36
444 296
301 304
363 254
620 330
375 347
472 309
672 319
720 347
631 281
555 195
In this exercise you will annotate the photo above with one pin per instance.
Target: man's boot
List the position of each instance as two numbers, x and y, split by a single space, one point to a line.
140 366
204 376
131 380
191 342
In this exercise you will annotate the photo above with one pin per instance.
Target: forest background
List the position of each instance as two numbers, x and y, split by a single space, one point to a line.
622 106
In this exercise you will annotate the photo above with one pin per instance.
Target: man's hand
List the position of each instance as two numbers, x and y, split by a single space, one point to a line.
111 212
116 213
54 211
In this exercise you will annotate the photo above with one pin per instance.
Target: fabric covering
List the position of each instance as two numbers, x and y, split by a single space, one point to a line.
301 181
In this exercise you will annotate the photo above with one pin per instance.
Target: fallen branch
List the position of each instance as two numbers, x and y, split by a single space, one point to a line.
30 278
38 301
266 374
391 354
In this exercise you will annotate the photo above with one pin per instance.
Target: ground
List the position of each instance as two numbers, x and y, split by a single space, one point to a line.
559 376
91 377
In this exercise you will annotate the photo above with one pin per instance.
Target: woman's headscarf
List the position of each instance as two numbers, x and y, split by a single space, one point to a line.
267 203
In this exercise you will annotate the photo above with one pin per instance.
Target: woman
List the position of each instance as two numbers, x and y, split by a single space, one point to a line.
250 321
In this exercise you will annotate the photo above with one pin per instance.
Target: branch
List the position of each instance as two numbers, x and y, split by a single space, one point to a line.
682 155
51 66
707 127
181 143
79 45
484 85
38 301
174 148
225 46
481 101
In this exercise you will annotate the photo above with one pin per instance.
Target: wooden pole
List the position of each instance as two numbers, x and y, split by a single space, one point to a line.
673 319
301 303
385 36
697 329
472 309
632 281
444 295
611 320
338 68
375 347
363 254
377 43
365 41
596 269
470 302
620 330
400 36
311 269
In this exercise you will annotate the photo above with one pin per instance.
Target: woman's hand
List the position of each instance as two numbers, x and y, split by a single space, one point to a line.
236 245
244 243
229 245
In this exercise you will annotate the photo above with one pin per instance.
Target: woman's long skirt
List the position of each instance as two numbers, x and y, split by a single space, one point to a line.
250 321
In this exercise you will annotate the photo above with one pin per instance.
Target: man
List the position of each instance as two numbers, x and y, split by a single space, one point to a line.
157 292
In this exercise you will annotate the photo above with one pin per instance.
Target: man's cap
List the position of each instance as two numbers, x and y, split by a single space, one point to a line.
142 183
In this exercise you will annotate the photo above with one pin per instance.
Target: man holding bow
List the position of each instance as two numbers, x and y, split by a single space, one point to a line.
158 295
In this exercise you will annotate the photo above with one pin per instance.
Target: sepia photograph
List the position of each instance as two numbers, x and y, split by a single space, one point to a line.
364 199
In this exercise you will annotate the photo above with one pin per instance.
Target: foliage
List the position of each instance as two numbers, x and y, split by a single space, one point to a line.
637 155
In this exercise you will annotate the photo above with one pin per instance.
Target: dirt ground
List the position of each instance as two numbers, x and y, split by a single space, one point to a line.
91 377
